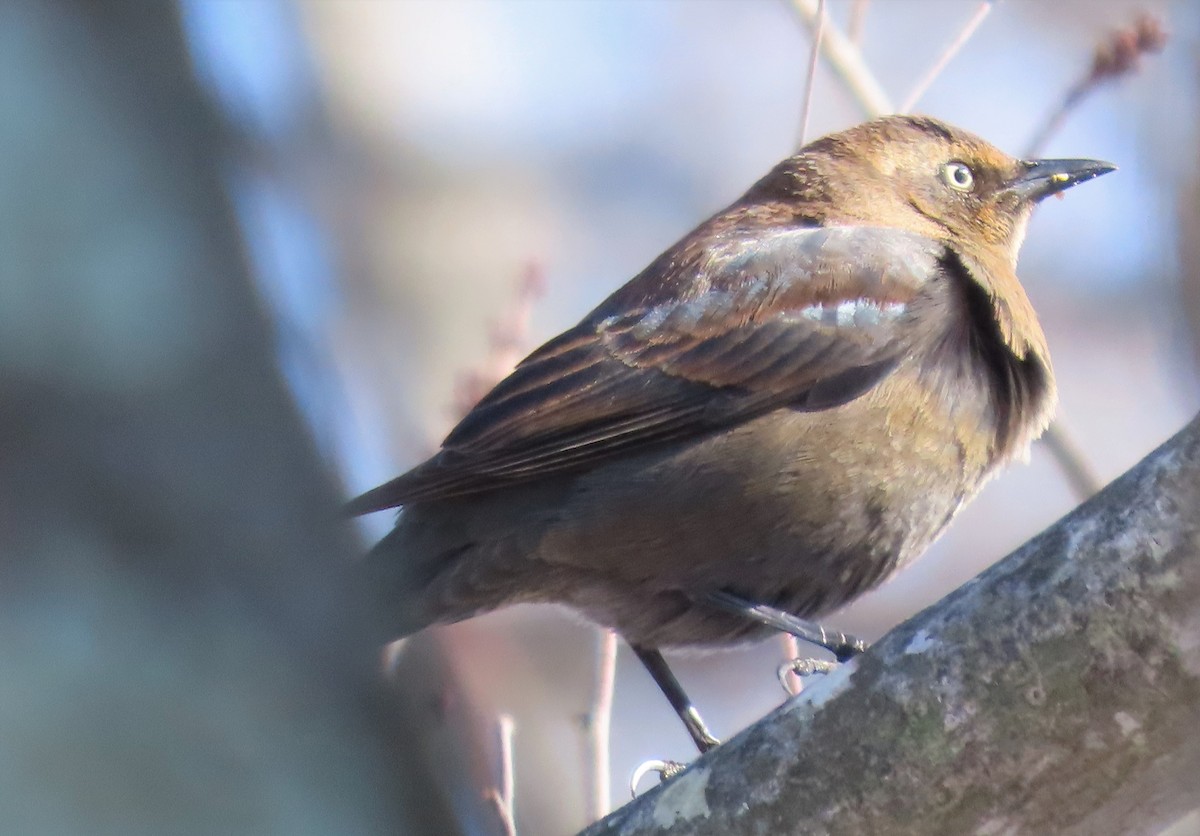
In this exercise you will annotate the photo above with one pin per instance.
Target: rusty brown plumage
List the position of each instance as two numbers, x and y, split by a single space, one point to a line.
786 405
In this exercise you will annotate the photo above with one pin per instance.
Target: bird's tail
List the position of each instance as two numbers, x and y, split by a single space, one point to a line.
395 586
449 561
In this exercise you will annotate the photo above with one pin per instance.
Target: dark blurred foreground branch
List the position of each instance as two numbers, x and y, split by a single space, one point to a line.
1058 692
181 644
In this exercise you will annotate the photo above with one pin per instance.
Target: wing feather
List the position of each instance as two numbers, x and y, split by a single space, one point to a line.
805 318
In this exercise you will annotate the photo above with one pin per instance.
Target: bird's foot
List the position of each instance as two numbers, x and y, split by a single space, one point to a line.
666 771
841 645
669 685
702 737
802 668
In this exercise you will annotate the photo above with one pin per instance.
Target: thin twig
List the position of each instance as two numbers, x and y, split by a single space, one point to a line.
1072 461
599 725
845 60
858 17
508 340
947 56
503 797
791 650
1117 56
810 82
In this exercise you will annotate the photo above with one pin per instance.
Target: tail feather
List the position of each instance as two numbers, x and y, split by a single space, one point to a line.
396 586
453 559
422 573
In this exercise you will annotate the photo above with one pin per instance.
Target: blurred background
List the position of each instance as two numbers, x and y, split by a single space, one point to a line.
260 254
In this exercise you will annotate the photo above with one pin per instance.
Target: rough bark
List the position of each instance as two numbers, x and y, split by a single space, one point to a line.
1058 692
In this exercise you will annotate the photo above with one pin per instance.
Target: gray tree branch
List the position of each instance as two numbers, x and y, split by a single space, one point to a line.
180 645
1058 692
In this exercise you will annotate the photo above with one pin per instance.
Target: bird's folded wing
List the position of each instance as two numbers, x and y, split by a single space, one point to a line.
807 318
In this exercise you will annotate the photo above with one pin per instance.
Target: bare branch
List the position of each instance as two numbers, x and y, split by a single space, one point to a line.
791 650
503 796
858 18
964 35
1114 58
810 82
846 61
508 340
1076 469
599 725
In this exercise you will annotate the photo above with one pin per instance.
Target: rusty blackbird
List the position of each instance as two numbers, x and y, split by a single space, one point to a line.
781 410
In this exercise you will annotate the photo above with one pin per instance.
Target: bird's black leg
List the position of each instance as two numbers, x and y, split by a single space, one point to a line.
657 665
842 646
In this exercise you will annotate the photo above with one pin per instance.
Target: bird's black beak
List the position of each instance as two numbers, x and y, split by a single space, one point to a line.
1042 178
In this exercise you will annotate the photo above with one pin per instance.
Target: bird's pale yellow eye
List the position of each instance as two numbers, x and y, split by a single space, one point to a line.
958 176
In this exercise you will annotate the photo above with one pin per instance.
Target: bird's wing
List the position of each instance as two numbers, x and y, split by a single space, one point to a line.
807 318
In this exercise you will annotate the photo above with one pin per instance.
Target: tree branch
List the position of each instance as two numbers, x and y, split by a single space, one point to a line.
1058 692
182 645
846 60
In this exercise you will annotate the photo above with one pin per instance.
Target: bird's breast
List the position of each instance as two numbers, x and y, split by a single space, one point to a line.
804 510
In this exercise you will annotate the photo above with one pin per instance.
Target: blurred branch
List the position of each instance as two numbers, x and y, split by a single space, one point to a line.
1115 57
845 60
503 796
183 644
947 56
508 340
858 19
811 79
1189 259
791 650
599 725
1119 55
1057 692
1079 473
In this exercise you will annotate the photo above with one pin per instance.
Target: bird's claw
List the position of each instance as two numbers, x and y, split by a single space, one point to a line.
700 734
849 648
666 771
802 668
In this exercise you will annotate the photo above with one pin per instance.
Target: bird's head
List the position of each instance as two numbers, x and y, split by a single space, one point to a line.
923 175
